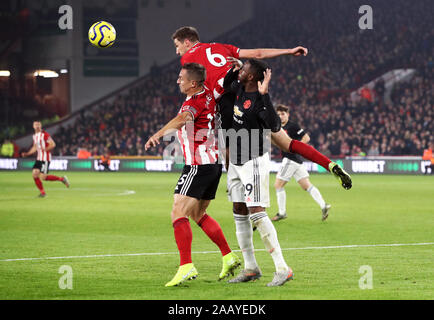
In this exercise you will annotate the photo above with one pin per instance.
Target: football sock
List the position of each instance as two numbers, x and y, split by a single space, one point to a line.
316 195
215 233
244 234
38 183
53 178
309 153
269 237
281 200
183 237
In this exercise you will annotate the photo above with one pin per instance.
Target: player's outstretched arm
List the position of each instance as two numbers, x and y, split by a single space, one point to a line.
173 125
28 153
265 53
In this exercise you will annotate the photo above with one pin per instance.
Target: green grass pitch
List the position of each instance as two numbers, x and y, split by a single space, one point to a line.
123 214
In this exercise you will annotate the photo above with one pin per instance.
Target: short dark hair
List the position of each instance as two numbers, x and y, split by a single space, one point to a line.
258 67
282 108
184 33
196 72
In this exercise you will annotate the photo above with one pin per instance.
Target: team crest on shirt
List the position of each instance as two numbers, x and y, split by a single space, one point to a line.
247 104
208 100
237 111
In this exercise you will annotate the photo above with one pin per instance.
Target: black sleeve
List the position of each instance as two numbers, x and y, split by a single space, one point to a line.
231 83
295 131
268 114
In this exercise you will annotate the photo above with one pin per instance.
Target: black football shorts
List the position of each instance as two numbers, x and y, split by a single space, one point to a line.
43 166
199 181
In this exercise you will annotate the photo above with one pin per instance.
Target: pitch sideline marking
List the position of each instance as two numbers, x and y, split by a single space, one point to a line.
206 252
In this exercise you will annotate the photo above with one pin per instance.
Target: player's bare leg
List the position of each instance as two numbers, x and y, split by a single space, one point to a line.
285 143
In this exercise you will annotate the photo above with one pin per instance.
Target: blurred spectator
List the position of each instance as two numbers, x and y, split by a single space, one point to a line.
7 149
83 154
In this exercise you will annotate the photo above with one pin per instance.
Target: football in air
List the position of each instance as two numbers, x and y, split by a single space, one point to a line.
102 34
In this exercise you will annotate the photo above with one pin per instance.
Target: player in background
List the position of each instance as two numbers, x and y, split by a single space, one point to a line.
105 161
249 168
43 144
200 177
292 166
216 58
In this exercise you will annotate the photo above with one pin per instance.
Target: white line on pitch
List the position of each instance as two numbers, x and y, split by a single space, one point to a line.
205 252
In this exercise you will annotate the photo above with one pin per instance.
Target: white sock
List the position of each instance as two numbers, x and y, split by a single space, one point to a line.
316 195
244 234
281 200
269 237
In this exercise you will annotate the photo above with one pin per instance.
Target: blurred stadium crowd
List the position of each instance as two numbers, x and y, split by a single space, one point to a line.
341 59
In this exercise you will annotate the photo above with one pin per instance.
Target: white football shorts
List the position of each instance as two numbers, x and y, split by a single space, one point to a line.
249 183
289 169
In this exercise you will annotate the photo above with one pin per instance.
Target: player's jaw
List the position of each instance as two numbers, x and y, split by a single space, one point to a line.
183 82
243 75
37 126
181 47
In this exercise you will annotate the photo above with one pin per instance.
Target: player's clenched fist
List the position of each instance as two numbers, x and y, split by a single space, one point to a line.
235 63
299 51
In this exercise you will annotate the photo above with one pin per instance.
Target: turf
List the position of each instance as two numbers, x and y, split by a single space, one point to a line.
100 215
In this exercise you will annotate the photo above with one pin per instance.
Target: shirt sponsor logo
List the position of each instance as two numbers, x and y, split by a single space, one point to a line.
237 111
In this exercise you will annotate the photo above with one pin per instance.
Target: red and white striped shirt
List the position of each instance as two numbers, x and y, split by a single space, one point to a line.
40 140
213 57
197 138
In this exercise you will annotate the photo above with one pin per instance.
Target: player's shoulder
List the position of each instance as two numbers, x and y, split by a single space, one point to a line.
291 124
295 129
196 48
224 45
204 95
46 134
201 100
